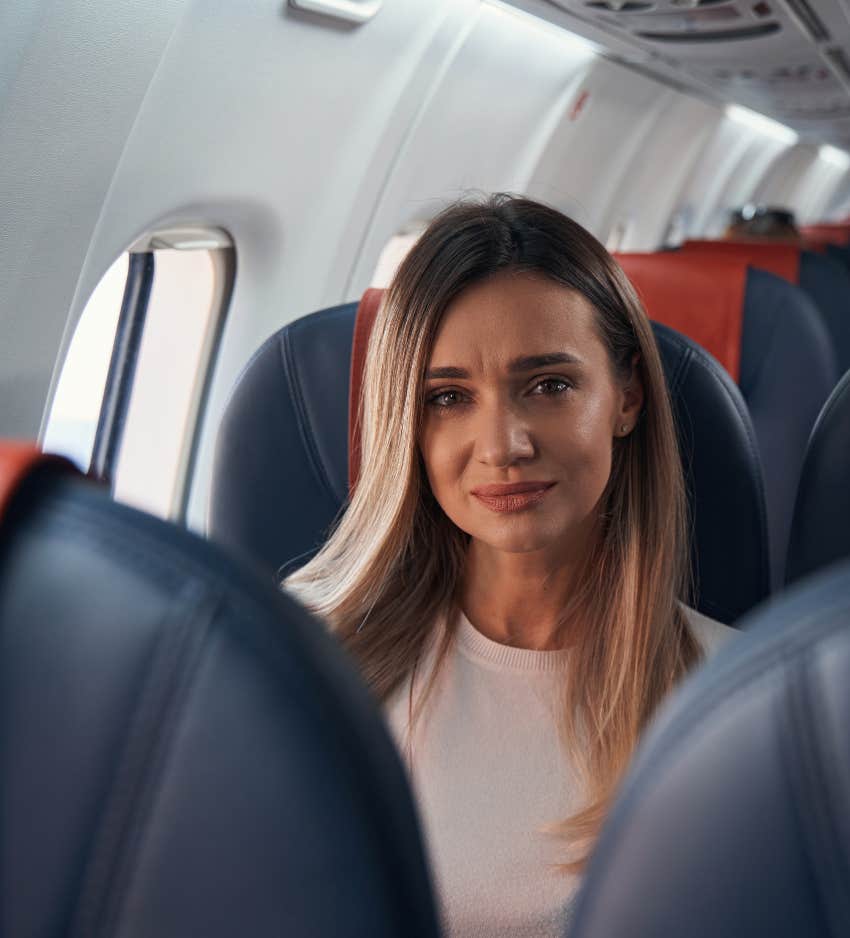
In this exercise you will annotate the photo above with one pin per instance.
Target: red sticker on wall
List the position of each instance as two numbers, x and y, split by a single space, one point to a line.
578 107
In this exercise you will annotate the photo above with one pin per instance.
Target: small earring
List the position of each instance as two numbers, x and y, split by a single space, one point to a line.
623 428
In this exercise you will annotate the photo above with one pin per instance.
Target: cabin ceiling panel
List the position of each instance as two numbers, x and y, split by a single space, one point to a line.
789 59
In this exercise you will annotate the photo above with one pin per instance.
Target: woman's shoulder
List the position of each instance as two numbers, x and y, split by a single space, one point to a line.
710 633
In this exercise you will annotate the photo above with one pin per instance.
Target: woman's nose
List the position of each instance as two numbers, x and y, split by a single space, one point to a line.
502 438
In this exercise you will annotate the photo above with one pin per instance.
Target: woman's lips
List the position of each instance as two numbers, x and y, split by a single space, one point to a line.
518 496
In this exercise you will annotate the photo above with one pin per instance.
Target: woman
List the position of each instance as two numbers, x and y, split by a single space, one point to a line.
509 570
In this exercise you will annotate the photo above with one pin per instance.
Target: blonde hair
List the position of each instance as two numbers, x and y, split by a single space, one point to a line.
390 571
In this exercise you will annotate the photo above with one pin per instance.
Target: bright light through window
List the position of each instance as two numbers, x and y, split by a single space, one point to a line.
835 157
73 417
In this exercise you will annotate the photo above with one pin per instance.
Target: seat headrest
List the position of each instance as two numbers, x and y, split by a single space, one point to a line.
20 462
780 259
185 750
701 297
734 819
837 234
365 319
820 532
283 451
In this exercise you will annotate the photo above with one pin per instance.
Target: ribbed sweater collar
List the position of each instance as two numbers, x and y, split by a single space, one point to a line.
505 657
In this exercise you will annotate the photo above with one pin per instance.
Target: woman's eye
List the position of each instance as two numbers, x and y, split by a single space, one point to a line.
551 386
444 399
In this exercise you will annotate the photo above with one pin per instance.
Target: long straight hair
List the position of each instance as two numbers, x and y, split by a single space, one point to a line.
390 572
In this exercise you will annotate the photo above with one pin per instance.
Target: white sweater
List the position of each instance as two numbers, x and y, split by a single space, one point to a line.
490 773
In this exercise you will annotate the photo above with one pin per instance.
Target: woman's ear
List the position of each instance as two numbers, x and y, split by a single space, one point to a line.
631 399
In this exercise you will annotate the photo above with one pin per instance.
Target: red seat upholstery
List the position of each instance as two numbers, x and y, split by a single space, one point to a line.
819 236
366 312
703 298
780 259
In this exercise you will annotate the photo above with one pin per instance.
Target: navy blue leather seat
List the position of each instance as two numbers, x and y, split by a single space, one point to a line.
184 750
788 369
280 472
820 534
734 820
827 281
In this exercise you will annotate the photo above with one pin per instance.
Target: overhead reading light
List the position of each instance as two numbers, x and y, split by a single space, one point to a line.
578 43
834 156
764 125
352 11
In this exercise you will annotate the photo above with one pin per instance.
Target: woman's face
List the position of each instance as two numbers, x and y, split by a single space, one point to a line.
522 407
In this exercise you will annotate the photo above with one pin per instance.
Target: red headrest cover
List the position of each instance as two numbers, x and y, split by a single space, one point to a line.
18 460
366 312
821 235
701 297
780 259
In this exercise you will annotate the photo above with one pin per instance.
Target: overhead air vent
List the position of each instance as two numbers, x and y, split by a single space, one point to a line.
805 14
714 35
613 7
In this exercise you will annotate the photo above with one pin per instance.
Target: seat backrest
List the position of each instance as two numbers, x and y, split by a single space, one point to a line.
185 751
286 427
824 278
790 371
785 366
703 298
734 819
836 233
820 534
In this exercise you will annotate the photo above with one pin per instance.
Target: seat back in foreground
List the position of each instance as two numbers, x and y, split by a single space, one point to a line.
185 751
282 457
735 817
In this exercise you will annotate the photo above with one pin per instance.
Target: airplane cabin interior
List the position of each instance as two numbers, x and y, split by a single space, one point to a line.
205 205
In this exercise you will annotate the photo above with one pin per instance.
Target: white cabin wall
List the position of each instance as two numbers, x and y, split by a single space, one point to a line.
651 189
838 208
591 153
481 126
807 184
786 175
733 164
72 77
281 189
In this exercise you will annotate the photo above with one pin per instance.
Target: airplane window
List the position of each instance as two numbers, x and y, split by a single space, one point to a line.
167 370
73 419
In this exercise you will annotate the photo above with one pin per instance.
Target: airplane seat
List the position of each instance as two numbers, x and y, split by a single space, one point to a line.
185 750
788 371
261 464
734 818
822 277
820 534
786 365
280 474
826 279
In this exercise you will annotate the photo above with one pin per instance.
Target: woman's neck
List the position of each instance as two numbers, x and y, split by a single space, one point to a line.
518 599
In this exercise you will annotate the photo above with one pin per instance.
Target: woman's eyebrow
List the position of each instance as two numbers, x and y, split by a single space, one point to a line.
524 363
447 372
530 362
